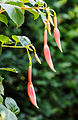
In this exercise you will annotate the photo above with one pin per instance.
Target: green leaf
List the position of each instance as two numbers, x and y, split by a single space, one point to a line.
25 1
9 42
34 12
43 17
4 39
60 3
14 2
1 99
1 78
15 13
3 19
1 89
0 48
40 2
9 69
8 114
32 2
11 105
15 38
23 40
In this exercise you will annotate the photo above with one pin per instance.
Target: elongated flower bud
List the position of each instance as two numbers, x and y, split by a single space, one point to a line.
47 56
30 88
51 21
49 28
57 38
37 58
31 94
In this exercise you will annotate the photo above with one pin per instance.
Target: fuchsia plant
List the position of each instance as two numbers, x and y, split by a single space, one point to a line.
47 54
39 7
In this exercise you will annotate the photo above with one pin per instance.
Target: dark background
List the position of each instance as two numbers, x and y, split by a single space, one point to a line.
57 93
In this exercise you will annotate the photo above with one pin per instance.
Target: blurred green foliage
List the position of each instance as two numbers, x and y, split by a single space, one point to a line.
57 93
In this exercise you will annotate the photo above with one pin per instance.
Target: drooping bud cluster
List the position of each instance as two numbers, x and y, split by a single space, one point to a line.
47 54
40 9
56 32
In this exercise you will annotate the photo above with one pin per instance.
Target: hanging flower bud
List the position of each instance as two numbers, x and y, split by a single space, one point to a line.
37 58
49 28
57 38
47 56
57 33
31 94
30 88
51 21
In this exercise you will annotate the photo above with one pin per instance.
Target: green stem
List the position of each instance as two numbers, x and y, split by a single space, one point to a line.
30 59
53 12
14 46
33 48
16 43
17 47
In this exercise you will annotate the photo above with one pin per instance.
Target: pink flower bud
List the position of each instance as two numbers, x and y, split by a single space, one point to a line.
31 94
57 38
37 58
47 56
30 88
